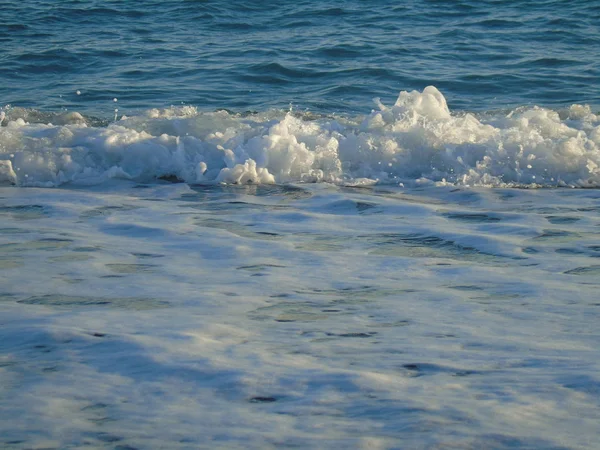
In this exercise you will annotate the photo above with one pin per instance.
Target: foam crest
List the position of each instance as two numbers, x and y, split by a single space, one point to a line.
416 140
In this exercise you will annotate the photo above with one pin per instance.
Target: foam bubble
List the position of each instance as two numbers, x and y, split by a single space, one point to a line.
417 140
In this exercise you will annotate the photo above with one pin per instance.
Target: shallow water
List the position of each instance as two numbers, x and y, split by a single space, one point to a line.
296 315
212 235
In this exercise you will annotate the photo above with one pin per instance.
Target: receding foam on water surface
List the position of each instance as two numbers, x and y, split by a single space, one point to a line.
417 140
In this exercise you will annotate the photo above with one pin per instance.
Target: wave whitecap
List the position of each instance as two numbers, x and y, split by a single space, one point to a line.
417 140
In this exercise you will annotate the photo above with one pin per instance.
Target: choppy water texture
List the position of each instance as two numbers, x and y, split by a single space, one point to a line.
311 316
299 224
323 56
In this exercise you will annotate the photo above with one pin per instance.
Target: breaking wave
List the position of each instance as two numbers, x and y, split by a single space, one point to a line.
416 141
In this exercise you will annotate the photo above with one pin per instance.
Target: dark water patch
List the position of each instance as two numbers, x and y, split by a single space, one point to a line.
282 72
235 25
105 211
8 297
364 291
133 230
342 51
108 438
10 261
466 287
87 249
587 270
505 195
262 399
209 194
268 233
348 206
43 348
394 324
317 242
549 234
531 206
472 217
558 220
589 209
70 301
553 236
462 196
71 257
414 370
147 255
102 420
569 251
65 301
309 311
14 27
25 212
289 312
321 304
499 441
287 191
545 63
238 229
530 250
353 335
582 383
494 298
47 244
498 23
222 207
173 179
94 407
122 268
366 208
444 336
14 231
417 245
259 267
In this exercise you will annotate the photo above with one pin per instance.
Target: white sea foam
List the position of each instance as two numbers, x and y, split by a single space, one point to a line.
417 140
307 315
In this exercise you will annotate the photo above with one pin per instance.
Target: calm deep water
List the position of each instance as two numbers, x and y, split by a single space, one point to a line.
299 224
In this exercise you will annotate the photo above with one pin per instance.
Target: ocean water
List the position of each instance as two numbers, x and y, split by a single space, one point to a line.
299 224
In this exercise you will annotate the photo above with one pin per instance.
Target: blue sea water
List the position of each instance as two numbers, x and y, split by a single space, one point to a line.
322 56
299 224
